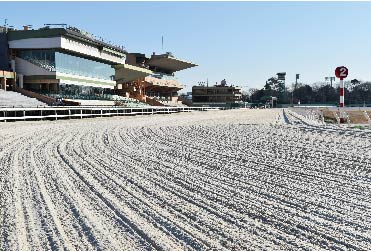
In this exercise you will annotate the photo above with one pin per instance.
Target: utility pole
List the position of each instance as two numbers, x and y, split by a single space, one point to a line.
292 93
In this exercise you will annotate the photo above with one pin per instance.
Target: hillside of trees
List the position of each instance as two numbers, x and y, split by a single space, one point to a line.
356 93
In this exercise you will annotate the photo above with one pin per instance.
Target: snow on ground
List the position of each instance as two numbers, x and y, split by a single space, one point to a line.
216 180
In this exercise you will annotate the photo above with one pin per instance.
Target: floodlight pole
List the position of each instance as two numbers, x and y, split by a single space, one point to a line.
292 93
331 79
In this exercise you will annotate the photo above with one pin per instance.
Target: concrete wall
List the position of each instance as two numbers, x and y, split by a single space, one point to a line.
36 43
67 44
85 81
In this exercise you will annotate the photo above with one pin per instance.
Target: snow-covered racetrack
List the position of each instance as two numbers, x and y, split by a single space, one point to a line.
217 180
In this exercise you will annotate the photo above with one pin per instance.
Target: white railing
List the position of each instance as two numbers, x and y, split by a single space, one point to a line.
55 113
309 115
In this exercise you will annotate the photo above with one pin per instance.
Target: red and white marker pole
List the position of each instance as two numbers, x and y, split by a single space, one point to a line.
341 92
342 119
341 72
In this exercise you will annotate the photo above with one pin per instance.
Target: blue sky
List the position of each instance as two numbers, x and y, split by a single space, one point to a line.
243 42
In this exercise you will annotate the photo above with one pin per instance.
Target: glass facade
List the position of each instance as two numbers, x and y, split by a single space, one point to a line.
42 58
83 67
54 60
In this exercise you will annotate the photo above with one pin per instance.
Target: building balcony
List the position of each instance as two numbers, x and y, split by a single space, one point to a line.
163 82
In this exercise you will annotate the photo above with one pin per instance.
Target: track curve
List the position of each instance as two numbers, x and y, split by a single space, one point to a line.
217 180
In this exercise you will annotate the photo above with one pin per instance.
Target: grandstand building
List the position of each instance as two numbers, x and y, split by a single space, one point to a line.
69 63
64 61
151 79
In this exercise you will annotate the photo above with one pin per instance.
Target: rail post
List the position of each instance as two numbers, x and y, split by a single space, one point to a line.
368 118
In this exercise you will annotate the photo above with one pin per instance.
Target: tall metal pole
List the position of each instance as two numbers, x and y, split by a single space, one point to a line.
292 93
342 119
331 79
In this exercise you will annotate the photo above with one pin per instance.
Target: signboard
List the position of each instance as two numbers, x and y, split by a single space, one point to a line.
341 72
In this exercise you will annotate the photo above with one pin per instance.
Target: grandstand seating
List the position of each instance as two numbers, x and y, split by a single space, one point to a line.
45 64
10 99
99 100
129 102
166 102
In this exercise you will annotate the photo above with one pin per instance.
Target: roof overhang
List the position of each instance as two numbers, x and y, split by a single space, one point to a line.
126 73
169 64
61 32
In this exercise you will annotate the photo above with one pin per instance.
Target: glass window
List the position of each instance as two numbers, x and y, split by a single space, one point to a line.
42 58
83 67
57 61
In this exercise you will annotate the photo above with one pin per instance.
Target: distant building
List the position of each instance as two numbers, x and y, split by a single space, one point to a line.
218 95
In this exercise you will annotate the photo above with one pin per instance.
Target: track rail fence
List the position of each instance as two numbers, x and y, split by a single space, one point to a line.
55 113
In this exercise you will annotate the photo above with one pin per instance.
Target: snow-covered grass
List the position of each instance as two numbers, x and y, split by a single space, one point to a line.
216 180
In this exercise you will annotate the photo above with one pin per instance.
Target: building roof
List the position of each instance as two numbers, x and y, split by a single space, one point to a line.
55 32
168 63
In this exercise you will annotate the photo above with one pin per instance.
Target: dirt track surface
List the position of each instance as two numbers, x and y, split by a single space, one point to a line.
217 180
355 117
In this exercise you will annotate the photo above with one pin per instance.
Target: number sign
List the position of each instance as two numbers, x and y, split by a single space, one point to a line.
341 72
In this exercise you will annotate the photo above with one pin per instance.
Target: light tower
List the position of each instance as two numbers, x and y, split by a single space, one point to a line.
330 79
281 76
292 93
